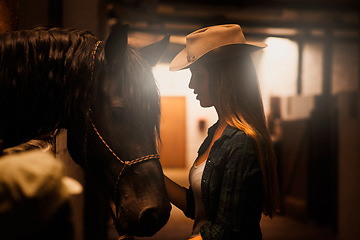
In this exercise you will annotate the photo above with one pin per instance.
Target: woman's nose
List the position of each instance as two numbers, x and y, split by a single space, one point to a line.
191 83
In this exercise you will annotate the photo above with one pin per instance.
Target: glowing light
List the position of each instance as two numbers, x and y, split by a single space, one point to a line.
172 83
277 67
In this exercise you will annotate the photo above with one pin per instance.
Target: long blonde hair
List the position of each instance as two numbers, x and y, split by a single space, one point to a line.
234 86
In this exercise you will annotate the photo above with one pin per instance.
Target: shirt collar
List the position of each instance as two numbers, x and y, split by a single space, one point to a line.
228 132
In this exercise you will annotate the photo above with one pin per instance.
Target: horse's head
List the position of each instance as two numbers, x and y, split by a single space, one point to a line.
122 135
51 78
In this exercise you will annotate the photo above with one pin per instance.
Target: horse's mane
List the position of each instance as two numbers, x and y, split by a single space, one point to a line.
46 83
44 79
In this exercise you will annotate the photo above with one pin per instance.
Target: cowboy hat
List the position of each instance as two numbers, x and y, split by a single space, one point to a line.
221 41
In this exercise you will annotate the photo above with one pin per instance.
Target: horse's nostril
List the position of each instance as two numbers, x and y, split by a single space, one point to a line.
151 220
149 217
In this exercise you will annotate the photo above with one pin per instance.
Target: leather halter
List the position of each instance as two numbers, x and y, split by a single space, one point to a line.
125 163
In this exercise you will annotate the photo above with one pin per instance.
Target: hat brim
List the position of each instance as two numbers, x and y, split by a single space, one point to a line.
221 52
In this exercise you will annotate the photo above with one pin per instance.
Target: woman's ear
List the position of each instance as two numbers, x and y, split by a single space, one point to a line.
116 45
153 52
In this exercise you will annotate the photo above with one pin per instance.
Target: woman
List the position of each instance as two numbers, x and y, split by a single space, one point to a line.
233 180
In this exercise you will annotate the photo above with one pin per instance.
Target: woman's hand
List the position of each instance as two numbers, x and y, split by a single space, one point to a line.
198 237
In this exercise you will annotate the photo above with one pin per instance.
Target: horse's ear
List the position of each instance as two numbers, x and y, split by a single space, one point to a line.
153 52
116 44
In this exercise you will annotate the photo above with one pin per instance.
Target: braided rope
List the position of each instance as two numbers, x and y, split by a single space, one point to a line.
104 142
129 163
93 57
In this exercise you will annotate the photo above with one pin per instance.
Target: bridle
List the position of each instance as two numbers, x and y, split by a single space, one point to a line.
126 164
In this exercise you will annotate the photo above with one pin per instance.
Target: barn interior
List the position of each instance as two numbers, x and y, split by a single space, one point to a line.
309 78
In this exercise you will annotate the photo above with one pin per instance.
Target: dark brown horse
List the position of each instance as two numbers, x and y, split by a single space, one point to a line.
105 95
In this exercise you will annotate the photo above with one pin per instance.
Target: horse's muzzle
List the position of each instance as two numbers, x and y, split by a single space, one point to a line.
152 219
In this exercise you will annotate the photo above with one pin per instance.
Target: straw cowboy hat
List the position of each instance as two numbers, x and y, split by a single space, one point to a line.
32 188
214 43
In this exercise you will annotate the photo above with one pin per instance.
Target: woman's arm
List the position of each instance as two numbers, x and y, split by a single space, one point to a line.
176 193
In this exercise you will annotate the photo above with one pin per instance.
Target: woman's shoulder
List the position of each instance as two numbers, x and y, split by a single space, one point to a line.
238 137
241 148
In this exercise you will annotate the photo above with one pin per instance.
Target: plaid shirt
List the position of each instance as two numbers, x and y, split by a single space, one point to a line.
231 186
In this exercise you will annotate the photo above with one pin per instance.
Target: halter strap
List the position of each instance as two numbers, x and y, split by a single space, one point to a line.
125 163
131 162
93 57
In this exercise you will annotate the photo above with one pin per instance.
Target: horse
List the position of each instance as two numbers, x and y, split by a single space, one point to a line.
105 95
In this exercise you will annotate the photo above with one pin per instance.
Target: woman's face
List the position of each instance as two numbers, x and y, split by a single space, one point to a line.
199 81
